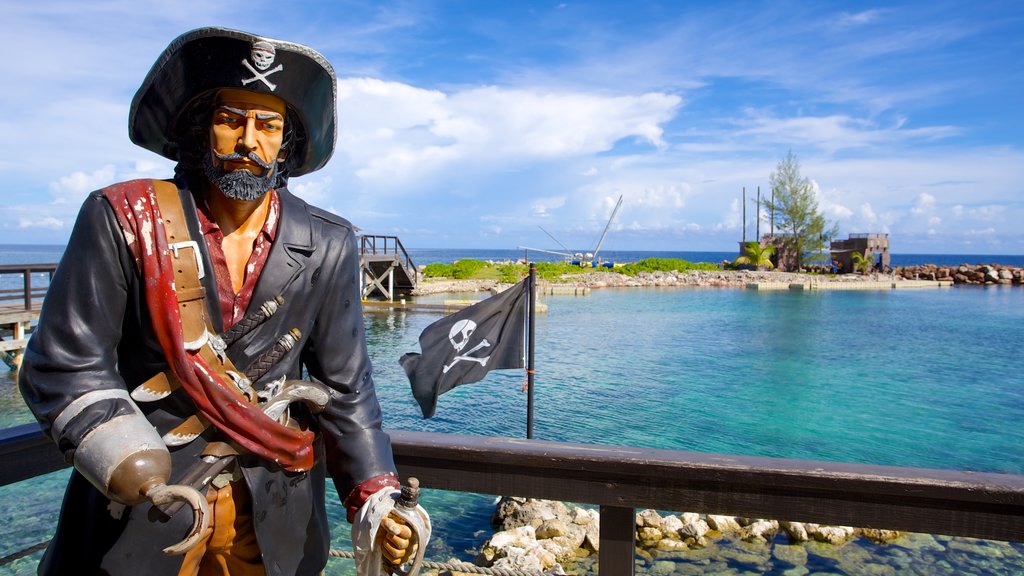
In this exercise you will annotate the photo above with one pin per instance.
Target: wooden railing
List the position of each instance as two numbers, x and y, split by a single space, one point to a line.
623 479
382 245
27 294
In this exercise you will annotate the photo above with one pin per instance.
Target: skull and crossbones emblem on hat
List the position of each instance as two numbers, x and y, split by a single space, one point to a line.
262 55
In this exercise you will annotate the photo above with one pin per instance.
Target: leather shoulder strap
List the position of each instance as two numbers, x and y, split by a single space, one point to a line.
196 327
188 262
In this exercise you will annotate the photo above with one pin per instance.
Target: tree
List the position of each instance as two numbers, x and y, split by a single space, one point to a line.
794 208
862 262
754 254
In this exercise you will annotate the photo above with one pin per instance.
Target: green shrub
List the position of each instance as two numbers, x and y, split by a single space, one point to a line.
464 269
437 270
460 269
552 271
663 265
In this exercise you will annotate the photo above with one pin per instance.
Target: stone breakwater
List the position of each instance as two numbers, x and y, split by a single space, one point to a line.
543 535
694 278
964 274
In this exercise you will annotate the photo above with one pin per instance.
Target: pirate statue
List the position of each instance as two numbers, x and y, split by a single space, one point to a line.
168 362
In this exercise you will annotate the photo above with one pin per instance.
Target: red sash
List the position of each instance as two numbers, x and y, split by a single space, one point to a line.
135 205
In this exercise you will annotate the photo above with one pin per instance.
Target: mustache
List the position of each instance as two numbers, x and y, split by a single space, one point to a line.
239 156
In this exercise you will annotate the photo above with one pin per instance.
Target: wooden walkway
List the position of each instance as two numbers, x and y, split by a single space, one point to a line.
20 306
386 268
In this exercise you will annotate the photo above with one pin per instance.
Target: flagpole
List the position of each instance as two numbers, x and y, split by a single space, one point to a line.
529 353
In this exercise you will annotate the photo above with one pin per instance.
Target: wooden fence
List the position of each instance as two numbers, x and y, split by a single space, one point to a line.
622 479
27 296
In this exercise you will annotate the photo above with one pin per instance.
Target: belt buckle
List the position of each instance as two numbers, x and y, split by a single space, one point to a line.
195 253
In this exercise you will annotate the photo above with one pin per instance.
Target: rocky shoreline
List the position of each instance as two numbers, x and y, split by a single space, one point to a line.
986 274
534 536
963 274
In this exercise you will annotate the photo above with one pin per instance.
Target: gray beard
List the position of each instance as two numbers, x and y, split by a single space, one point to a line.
239 184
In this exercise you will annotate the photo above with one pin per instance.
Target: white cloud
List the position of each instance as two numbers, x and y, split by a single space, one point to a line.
541 207
315 191
867 213
924 204
859 18
832 133
75 186
394 132
46 223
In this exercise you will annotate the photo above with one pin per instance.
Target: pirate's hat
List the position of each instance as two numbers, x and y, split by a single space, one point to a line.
207 59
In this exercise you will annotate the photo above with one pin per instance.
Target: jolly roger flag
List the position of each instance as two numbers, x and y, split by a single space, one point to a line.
463 347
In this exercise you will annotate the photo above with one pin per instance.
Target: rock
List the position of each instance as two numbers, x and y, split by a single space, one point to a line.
523 537
879 536
592 541
689 517
520 560
513 512
552 528
671 544
796 531
671 526
561 548
649 518
723 524
576 535
647 536
583 516
696 529
834 534
760 531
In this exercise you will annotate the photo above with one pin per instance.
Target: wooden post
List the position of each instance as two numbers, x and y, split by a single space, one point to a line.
758 237
530 312
744 214
19 334
28 289
618 541
391 283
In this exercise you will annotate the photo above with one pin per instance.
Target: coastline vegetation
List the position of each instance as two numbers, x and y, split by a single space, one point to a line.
512 272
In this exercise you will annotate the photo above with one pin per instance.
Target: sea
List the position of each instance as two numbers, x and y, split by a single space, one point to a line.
921 378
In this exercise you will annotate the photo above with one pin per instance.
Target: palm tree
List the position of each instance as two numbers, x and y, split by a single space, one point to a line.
754 254
862 262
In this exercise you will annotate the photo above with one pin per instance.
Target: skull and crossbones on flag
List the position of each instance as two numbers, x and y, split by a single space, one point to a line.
463 347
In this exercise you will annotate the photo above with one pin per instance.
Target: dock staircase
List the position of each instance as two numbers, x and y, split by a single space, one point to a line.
385 267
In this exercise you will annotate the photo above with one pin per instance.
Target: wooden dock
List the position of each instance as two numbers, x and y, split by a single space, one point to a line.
22 287
385 267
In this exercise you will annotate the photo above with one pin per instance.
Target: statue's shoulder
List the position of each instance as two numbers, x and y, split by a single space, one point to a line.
134 189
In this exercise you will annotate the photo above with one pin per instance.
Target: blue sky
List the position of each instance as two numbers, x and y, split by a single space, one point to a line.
475 123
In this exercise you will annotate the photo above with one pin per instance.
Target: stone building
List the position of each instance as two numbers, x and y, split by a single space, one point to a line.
874 246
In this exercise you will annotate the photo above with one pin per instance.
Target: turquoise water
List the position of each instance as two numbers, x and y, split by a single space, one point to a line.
926 378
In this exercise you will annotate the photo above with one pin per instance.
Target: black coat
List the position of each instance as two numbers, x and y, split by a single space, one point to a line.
94 333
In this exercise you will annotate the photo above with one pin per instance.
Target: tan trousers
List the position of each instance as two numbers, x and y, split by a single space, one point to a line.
229 547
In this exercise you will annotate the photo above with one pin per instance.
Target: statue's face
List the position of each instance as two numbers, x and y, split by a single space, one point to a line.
246 126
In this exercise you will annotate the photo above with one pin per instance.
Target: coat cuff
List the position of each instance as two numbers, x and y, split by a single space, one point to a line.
358 496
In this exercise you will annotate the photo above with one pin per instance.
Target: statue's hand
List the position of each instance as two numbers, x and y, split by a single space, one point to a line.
395 540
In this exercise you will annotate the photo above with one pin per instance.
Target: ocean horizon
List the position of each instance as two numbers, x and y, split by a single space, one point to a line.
920 378
51 253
